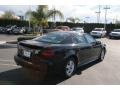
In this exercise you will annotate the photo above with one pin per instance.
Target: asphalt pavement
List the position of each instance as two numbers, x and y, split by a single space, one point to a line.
95 73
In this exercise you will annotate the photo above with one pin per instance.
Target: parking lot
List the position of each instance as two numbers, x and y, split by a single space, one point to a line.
105 72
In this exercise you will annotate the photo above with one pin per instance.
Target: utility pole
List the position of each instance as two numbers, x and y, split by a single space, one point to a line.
29 16
106 8
98 15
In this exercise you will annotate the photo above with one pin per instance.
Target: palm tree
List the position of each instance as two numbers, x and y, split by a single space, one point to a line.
53 13
42 14
73 20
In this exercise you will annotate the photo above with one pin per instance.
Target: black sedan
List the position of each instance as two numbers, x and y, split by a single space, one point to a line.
61 51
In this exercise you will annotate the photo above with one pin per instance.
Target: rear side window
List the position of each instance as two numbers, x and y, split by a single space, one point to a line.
80 38
89 38
68 40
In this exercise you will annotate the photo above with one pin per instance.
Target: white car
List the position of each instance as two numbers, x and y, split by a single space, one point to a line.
115 33
98 32
78 29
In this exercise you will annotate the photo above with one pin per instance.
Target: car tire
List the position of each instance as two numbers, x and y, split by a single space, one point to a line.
110 37
69 67
102 55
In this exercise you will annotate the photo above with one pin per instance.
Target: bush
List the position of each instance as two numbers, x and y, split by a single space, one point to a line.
25 38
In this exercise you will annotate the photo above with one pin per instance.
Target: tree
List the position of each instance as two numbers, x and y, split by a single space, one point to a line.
42 14
53 13
28 15
73 20
8 15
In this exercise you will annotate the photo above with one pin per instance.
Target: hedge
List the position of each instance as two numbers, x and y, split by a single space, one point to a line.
87 26
5 22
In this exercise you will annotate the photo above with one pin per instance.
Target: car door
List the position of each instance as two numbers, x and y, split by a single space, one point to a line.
84 49
95 47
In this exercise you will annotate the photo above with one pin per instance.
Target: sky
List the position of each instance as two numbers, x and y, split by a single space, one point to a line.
83 12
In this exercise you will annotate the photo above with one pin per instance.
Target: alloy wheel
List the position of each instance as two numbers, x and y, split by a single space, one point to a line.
70 67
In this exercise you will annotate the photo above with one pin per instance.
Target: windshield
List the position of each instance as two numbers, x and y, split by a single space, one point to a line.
54 37
97 30
116 30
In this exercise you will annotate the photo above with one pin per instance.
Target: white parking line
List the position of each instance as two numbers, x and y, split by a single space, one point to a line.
8 65
5 60
2 42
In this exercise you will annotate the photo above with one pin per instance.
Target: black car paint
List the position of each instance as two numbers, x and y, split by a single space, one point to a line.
84 53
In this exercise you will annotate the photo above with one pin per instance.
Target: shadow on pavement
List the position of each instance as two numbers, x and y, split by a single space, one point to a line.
18 77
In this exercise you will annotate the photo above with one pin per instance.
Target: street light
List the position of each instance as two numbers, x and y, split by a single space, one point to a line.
106 8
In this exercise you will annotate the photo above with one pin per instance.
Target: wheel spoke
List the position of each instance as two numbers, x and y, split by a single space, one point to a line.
70 68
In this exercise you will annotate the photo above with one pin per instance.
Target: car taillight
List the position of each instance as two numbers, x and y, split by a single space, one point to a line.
47 53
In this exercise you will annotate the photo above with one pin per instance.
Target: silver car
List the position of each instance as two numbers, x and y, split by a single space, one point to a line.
115 33
98 32
78 29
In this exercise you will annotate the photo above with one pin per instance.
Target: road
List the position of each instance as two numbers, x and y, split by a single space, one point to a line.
5 37
95 73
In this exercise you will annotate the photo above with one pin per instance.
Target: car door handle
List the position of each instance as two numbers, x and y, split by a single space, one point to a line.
83 48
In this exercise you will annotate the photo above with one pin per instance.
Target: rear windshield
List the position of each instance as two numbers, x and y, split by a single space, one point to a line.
53 37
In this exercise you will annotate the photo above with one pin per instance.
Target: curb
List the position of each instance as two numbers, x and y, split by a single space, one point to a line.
11 42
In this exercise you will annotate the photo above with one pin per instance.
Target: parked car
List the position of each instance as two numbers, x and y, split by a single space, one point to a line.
98 32
18 30
64 28
61 52
115 33
2 30
10 29
78 29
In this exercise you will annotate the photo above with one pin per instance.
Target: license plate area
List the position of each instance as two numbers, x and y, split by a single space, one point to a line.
27 53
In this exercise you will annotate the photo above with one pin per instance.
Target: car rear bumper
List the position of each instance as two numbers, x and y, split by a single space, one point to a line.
41 66
115 36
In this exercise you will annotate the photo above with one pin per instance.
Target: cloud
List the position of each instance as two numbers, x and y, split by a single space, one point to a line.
18 9
80 11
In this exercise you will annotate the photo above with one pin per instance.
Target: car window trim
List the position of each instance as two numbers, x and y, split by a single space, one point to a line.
87 40
82 42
